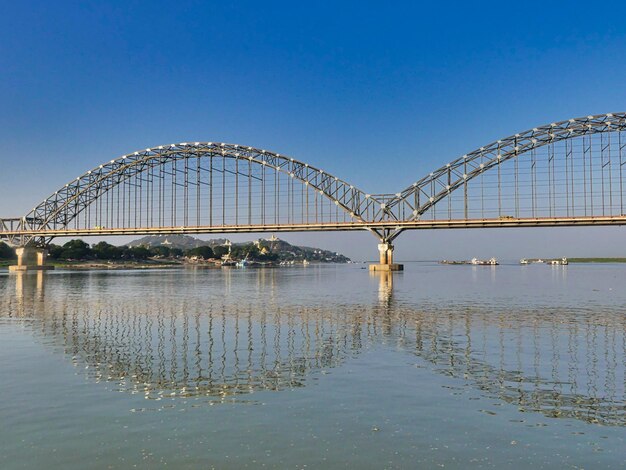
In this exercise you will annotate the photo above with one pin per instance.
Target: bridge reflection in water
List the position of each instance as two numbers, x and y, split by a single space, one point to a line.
558 362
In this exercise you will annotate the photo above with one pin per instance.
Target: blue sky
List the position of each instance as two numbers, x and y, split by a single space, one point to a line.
378 93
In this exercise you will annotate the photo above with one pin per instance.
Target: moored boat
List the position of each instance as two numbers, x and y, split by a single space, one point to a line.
552 262
482 262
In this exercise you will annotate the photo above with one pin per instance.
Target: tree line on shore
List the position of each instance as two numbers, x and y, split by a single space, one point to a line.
6 252
81 251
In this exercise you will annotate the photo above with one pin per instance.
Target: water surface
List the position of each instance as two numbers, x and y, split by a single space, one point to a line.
314 367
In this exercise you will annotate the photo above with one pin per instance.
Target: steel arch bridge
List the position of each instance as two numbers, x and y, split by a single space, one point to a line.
565 173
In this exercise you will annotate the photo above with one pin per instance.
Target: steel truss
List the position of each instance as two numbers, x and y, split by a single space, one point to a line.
565 173
422 196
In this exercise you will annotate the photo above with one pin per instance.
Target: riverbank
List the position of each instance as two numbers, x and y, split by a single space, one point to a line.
136 264
145 264
106 265
597 260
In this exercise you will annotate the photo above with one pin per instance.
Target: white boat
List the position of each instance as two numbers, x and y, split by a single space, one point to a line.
553 262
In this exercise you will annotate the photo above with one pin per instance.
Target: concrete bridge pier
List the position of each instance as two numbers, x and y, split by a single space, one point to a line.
30 258
385 250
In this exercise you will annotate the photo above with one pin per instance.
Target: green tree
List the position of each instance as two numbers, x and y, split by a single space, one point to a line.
136 252
164 251
268 257
251 251
248 250
6 252
176 252
104 250
54 251
204 252
220 250
76 249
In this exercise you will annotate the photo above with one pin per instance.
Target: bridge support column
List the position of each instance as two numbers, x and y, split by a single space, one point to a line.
30 258
385 250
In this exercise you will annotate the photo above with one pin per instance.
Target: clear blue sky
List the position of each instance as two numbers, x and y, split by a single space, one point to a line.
378 93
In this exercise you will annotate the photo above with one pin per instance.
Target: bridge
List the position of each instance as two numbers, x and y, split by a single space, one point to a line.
561 174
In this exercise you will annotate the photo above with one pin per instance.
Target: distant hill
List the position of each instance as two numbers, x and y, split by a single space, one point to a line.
183 242
287 251
284 250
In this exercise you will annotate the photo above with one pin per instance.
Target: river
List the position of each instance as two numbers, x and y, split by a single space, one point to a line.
323 366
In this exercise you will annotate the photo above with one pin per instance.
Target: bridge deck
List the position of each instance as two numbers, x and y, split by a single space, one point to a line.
338 226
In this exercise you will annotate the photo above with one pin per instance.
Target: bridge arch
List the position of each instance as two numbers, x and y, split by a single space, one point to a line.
193 173
421 197
566 173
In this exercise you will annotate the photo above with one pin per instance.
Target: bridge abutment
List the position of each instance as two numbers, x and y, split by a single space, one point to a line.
385 251
30 258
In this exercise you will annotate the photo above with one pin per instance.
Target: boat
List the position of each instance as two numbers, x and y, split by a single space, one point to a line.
242 263
553 262
445 261
481 262
305 262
